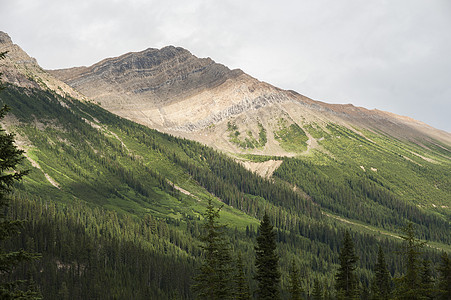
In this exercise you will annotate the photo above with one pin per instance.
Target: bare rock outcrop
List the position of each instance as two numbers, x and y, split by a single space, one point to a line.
20 69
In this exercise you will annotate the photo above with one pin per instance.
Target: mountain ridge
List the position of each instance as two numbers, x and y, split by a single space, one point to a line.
195 97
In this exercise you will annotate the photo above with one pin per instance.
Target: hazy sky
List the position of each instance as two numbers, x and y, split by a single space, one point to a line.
393 55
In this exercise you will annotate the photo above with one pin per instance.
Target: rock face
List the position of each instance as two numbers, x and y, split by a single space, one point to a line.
172 90
22 70
166 89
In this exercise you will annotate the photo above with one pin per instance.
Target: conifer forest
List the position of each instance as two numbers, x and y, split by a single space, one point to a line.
133 213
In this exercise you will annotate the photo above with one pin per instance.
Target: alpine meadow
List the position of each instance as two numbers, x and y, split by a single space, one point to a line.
160 175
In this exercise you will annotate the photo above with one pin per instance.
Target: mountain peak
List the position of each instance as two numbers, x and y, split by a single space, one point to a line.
172 90
5 38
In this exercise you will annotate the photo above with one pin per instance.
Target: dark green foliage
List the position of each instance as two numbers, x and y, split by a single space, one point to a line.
214 278
267 262
426 281
381 285
317 293
346 282
294 286
444 280
408 286
241 288
92 253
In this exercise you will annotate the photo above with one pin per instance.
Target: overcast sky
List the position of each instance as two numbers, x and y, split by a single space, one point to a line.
393 55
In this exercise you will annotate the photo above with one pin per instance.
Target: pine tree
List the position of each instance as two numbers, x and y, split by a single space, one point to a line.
345 280
266 262
381 285
10 157
214 278
407 287
241 284
444 280
317 290
295 282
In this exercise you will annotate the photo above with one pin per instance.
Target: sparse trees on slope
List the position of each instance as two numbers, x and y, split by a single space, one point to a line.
345 280
214 279
381 285
266 262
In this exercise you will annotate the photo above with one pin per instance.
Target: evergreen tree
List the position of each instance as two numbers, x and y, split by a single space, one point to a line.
214 279
426 281
317 290
10 157
241 284
407 287
444 280
381 285
345 280
266 262
294 282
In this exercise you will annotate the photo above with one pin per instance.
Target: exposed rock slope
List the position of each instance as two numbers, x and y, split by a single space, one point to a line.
22 70
174 91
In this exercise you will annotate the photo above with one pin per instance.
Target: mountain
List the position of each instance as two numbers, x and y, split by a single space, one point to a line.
174 91
116 207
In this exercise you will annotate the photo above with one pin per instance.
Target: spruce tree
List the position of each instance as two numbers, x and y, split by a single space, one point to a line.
10 158
266 262
345 280
214 278
444 280
241 285
407 287
295 282
381 285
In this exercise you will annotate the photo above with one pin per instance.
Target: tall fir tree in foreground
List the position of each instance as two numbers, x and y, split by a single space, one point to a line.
381 287
408 286
214 278
295 282
346 283
267 262
10 158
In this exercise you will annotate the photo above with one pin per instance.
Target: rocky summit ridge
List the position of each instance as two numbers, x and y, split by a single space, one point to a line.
172 90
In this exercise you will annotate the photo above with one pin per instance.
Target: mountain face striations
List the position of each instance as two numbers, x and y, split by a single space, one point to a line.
173 91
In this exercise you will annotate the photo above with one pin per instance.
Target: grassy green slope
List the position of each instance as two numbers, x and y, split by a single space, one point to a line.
104 161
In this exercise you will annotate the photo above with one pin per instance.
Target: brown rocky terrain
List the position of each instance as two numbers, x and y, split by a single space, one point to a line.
172 90
22 70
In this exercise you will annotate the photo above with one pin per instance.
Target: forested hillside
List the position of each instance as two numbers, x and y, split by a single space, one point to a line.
116 208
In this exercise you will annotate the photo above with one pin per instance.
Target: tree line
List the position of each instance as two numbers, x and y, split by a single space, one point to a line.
221 276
